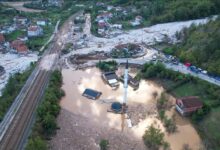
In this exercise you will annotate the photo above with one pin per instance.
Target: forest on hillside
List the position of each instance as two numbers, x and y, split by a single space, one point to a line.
158 11
200 46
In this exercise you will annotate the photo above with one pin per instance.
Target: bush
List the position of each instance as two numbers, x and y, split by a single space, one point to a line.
170 125
154 138
36 143
201 113
107 66
104 144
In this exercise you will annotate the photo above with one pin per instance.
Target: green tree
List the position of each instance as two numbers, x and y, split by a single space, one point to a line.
104 144
49 124
36 144
153 138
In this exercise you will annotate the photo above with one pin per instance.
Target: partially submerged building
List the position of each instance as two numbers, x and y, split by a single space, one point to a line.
111 78
91 94
131 81
188 105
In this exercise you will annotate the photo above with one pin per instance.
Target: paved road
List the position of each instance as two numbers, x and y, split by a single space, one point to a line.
140 61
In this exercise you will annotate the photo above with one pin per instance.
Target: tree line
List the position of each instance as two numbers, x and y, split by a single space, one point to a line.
200 46
158 11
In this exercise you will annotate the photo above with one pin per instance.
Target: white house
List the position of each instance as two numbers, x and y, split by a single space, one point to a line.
35 31
42 22
117 26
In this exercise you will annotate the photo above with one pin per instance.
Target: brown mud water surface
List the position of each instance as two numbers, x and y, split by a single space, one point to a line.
84 123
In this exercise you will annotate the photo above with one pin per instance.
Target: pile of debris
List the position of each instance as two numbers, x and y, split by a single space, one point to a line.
84 58
127 51
138 112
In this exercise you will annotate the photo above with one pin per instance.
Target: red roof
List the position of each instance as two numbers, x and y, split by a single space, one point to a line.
191 101
19 46
2 38
22 48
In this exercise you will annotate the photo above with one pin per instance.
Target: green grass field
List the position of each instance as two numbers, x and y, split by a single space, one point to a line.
210 128
187 90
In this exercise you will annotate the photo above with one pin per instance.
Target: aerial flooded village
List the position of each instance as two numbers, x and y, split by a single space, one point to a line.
110 75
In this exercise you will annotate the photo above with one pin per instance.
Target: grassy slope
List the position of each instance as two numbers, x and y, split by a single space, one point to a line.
210 128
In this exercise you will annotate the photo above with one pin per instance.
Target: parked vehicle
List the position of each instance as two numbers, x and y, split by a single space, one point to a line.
194 69
204 72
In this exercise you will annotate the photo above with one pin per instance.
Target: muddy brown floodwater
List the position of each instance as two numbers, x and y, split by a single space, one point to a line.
83 122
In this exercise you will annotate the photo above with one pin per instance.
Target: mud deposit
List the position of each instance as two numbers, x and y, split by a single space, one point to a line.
83 122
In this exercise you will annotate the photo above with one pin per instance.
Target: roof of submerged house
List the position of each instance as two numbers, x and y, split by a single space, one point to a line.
110 75
91 93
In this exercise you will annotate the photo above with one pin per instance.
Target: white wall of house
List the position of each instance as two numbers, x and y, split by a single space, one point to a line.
41 23
37 32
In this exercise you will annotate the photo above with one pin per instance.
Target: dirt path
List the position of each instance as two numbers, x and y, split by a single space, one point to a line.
19 6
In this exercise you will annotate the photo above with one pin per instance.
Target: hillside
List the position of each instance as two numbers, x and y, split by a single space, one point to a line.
200 46
157 11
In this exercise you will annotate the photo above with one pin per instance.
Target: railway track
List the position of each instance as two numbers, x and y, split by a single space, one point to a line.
15 134
15 127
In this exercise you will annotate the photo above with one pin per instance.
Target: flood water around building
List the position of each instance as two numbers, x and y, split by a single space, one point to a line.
141 105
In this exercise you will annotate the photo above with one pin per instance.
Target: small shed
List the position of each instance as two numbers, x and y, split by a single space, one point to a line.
91 94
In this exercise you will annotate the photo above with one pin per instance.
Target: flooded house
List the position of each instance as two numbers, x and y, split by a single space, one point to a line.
188 105
111 78
131 81
91 94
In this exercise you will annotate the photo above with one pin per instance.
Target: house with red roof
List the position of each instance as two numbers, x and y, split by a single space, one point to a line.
19 47
188 105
